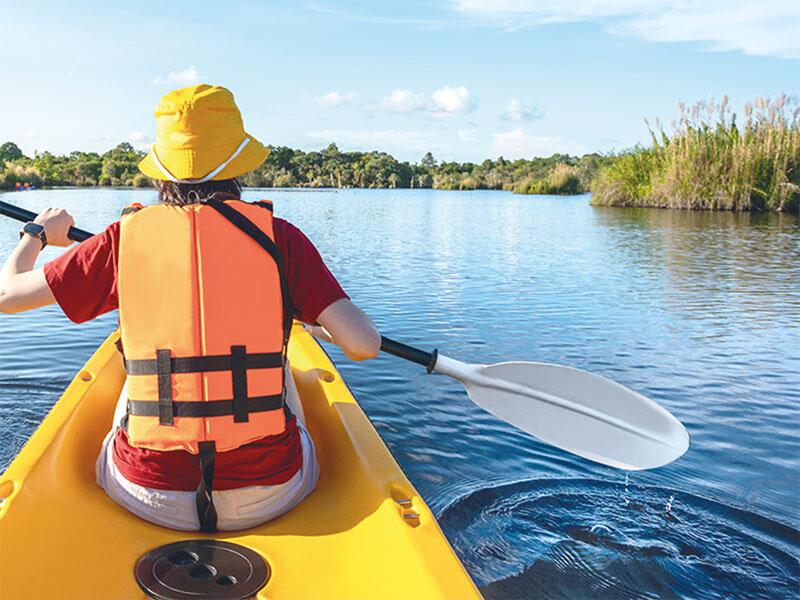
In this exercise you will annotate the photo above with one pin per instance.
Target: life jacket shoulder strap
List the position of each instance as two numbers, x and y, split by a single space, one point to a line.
262 239
131 208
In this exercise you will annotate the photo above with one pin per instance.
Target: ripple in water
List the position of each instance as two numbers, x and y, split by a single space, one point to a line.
584 538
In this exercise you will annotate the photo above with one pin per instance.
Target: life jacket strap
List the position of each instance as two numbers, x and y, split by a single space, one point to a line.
237 362
205 364
205 408
265 204
206 512
165 406
241 408
136 207
252 230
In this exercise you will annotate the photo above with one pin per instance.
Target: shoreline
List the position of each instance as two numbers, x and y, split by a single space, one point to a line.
313 189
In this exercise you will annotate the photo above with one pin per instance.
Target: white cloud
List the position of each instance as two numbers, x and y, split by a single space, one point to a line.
452 100
517 143
759 28
332 99
517 111
403 101
188 76
444 102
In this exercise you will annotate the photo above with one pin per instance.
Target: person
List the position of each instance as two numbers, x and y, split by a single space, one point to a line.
208 432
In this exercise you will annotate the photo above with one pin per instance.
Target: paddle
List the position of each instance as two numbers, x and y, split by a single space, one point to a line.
573 410
20 214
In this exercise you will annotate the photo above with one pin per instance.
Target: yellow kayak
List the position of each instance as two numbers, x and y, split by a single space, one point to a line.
363 533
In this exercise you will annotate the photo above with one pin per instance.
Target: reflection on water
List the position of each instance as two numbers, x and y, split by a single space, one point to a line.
699 311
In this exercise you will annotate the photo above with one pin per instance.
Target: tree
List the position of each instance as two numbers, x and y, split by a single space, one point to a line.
124 148
9 151
428 161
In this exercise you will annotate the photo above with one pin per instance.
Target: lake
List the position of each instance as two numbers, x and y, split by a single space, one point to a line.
699 311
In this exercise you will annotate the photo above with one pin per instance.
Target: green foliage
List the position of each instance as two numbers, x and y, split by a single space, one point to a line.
9 151
14 174
709 161
287 167
428 162
116 167
561 179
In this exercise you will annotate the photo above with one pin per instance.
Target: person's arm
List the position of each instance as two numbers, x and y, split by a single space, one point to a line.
21 287
345 325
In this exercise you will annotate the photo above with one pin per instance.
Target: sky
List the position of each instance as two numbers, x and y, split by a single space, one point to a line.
464 79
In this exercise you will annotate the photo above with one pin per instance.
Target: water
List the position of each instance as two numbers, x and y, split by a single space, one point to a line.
699 311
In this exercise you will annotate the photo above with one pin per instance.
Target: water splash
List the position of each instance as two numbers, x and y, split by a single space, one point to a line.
668 507
572 538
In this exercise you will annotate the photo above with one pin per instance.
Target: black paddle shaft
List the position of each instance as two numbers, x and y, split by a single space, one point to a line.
20 214
426 359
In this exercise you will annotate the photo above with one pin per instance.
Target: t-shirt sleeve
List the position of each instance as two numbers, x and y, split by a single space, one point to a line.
83 279
312 285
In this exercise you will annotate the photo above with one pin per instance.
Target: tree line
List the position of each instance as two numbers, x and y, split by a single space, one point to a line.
710 160
289 167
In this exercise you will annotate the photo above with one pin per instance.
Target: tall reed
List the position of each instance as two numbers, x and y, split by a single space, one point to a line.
560 179
710 161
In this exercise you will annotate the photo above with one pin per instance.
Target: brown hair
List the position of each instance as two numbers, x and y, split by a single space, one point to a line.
170 192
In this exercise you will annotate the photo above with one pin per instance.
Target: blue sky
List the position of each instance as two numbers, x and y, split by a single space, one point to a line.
466 79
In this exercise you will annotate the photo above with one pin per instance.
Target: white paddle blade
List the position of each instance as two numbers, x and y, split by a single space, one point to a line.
579 412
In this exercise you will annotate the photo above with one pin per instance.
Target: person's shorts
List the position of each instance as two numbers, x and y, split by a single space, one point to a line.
236 509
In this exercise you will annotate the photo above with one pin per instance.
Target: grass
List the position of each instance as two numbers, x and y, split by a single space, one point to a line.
712 161
561 179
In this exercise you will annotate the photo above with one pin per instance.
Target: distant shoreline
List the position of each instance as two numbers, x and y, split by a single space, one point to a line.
298 189
710 161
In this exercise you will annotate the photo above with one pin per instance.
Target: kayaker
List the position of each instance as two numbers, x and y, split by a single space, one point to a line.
196 275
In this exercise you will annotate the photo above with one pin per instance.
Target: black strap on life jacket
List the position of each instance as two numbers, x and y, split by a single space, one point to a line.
207 408
241 407
262 239
130 209
206 364
237 362
206 512
165 408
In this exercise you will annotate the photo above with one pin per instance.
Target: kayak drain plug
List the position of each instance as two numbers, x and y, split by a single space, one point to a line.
200 570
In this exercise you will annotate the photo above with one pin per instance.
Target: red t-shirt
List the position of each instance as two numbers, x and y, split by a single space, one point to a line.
84 283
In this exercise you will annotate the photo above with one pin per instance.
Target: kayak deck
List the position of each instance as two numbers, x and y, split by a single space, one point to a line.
363 533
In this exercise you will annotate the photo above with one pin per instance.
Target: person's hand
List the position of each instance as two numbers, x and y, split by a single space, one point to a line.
56 223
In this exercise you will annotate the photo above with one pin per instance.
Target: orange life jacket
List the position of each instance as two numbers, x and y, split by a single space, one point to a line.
205 317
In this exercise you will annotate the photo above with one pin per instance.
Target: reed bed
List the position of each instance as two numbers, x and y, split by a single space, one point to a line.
711 161
560 179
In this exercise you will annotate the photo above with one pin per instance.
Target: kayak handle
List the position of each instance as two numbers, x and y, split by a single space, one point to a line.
426 359
20 214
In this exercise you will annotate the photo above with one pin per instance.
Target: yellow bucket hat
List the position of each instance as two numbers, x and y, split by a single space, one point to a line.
200 137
